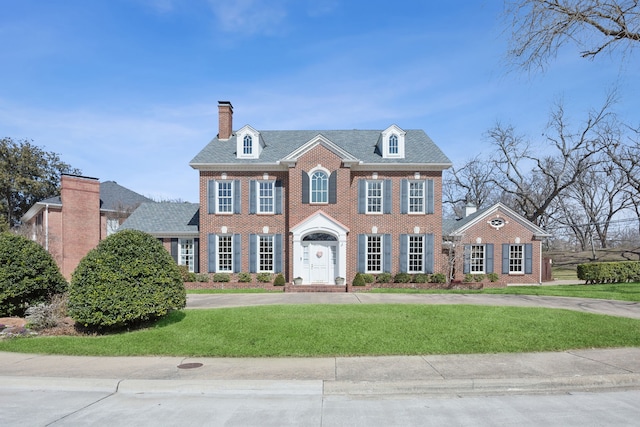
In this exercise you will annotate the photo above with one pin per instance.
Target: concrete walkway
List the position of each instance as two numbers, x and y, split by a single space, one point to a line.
455 375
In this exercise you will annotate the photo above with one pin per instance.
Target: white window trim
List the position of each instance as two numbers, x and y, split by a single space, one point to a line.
424 197
382 189
422 238
521 272
259 253
110 225
217 200
484 259
218 253
385 148
311 173
259 210
381 239
256 144
181 244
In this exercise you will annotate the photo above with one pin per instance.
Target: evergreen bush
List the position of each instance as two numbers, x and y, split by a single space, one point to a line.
263 277
221 277
127 279
368 278
28 275
244 277
402 278
383 278
358 280
438 278
279 280
421 278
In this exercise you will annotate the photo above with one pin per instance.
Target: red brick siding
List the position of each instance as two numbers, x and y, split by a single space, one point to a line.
80 220
506 234
344 211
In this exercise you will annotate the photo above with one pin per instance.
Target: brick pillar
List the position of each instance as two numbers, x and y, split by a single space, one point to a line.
80 219
225 119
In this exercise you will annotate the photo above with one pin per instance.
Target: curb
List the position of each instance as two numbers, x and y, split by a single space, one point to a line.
429 388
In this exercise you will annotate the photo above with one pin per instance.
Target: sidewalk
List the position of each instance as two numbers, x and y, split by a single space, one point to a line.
434 375
453 375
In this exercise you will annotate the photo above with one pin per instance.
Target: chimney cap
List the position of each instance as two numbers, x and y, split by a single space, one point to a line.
225 103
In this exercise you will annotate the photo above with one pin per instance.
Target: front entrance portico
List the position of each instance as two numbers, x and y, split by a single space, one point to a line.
319 249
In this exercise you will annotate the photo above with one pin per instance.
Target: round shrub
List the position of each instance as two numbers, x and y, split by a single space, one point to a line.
28 275
127 279
358 280
279 280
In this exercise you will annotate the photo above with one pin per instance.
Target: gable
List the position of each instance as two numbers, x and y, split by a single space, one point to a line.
497 219
319 140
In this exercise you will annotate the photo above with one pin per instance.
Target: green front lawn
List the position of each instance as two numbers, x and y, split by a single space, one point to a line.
350 330
618 291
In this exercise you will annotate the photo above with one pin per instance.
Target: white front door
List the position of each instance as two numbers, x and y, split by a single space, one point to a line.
321 262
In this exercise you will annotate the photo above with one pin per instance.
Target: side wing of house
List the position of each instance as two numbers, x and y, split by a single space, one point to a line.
498 243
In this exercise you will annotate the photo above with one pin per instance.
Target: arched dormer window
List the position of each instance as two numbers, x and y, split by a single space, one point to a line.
319 187
393 144
247 145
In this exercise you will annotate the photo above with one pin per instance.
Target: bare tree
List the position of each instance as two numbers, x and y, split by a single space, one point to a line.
541 27
532 181
473 182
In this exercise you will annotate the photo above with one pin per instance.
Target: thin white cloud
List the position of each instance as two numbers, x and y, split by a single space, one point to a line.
250 17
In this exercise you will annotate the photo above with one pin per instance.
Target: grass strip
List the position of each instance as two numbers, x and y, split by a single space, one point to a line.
350 330
618 291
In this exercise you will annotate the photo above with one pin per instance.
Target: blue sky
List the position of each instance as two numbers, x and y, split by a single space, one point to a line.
127 90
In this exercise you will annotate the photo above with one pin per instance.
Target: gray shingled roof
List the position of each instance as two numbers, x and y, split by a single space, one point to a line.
114 197
450 225
419 148
164 219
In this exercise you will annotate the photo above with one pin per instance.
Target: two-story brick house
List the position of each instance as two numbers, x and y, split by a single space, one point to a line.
85 212
320 204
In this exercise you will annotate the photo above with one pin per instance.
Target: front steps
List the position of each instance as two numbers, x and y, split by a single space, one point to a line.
314 288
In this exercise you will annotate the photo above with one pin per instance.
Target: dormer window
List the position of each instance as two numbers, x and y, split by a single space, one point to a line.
247 145
391 143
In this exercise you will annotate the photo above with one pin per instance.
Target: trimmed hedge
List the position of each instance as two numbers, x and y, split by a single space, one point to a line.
28 275
609 272
127 279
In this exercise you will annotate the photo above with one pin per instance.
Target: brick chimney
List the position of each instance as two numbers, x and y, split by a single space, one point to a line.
225 120
80 197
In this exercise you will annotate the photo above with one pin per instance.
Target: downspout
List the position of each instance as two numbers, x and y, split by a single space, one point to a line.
46 227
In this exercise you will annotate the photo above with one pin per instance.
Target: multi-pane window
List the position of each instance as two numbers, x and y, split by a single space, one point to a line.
185 253
319 187
247 145
393 144
112 225
225 197
265 196
265 253
374 254
374 196
476 259
416 196
516 258
416 254
225 253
